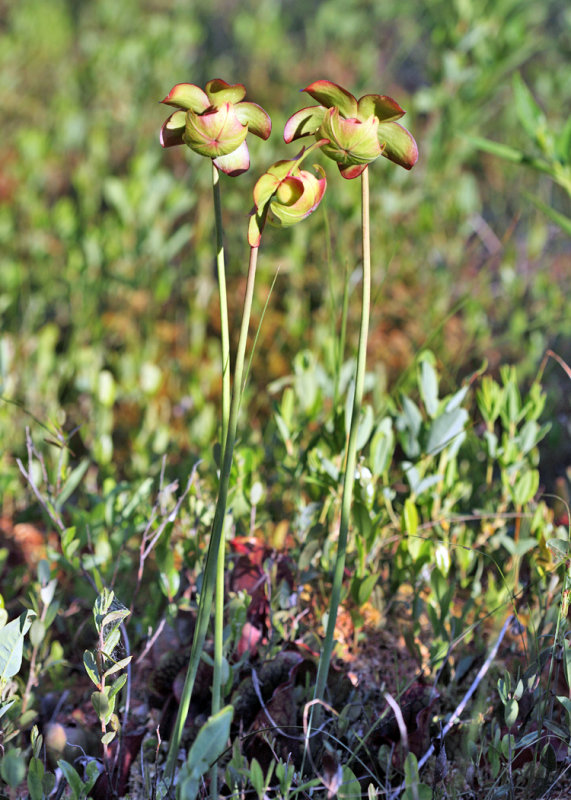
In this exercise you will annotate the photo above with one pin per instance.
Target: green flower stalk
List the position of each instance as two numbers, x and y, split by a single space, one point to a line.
287 196
357 133
215 123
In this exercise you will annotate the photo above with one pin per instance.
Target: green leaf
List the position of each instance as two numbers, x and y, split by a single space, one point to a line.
530 115
414 789
208 746
35 779
457 398
526 486
350 788
6 707
559 547
446 429
382 446
428 385
37 632
12 644
365 426
100 704
563 143
410 517
71 484
257 777
90 665
74 781
362 588
13 768
565 702
117 686
118 666
511 711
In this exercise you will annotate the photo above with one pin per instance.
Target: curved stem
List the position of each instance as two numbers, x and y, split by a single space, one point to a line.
209 574
351 453
226 391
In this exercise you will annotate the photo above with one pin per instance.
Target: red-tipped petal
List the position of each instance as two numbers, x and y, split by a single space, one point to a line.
187 96
303 123
330 94
254 116
398 144
219 92
235 163
172 131
383 107
352 172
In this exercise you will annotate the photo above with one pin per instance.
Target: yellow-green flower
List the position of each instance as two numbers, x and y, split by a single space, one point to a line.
359 131
214 123
286 194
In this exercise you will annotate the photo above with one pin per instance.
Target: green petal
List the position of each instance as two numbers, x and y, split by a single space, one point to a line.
303 123
286 214
282 168
330 94
172 132
220 92
398 144
254 116
234 163
384 108
187 96
264 189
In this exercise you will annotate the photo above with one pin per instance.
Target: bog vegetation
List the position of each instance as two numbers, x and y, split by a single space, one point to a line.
252 552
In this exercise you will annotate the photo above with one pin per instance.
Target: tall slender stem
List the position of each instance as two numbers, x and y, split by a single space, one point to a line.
209 575
351 452
224 327
226 399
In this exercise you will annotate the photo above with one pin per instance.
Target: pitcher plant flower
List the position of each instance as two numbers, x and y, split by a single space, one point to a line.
214 122
359 131
286 194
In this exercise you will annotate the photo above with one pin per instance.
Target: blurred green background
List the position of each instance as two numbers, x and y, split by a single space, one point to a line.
107 286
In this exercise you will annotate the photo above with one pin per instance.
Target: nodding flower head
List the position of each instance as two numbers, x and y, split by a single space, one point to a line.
214 123
286 194
359 131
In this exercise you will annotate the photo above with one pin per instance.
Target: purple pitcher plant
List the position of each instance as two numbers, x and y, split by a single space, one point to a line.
215 123
359 131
